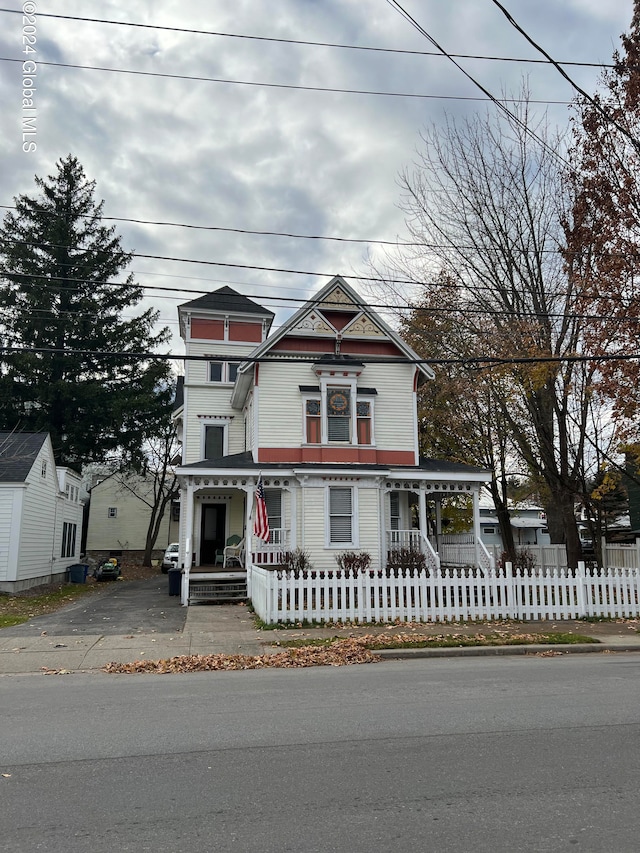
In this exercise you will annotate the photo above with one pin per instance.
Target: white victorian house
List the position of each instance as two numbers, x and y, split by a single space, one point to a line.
324 410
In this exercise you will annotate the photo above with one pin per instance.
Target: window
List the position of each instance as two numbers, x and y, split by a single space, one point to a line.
112 512
394 505
215 371
363 414
314 421
213 442
223 371
334 407
68 539
340 516
488 530
339 414
43 469
273 500
175 512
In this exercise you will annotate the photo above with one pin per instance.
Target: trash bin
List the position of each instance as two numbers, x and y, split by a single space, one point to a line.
78 573
175 580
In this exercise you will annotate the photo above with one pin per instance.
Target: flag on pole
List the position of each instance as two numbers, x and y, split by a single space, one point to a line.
261 519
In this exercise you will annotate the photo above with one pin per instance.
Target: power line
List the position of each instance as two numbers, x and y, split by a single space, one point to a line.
593 101
402 51
477 361
377 279
290 86
293 236
499 104
232 230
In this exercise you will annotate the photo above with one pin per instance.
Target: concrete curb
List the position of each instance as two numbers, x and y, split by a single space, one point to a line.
486 651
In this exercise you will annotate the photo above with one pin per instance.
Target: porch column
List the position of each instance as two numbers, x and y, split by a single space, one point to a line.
248 529
476 523
439 525
248 535
293 509
422 510
188 543
382 527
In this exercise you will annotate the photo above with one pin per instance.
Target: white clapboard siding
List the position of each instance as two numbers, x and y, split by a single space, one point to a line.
394 414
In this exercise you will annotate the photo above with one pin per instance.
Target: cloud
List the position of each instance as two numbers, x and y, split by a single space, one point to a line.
265 159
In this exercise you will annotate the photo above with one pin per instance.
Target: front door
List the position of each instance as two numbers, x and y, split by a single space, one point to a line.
212 532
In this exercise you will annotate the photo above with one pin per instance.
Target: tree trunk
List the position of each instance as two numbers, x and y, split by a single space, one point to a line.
504 520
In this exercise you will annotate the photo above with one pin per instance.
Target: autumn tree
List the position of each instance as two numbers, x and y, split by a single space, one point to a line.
73 361
456 418
602 250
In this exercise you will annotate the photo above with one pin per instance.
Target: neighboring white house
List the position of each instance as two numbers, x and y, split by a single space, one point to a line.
324 410
528 524
119 516
40 513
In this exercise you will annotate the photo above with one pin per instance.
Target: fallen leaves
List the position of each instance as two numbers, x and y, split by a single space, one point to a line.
340 653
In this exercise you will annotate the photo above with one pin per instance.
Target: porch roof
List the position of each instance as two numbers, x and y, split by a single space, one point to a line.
245 461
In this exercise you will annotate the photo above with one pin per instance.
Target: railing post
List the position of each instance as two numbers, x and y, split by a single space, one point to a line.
580 581
510 586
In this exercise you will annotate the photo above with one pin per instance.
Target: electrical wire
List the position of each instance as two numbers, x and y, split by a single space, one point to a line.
593 101
480 361
304 42
498 103
289 86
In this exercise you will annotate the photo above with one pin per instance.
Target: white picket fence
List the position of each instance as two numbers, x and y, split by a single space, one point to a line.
447 595
555 556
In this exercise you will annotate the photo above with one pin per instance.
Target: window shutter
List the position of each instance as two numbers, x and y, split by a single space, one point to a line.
339 429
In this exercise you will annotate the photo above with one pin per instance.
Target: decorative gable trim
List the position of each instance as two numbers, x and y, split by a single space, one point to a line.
363 326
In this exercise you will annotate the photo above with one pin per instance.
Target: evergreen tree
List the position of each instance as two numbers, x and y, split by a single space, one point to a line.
71 362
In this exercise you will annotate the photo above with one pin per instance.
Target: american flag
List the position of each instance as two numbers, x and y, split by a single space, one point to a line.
261 520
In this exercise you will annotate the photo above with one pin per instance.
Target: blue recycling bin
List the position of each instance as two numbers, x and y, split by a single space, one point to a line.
78 573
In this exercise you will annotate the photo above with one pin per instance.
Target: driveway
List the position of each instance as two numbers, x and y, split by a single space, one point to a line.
118 607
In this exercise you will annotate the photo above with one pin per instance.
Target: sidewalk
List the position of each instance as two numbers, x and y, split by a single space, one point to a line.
229 629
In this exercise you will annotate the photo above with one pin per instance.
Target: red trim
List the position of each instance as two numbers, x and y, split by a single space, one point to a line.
251 332
351 455
339 319
207 330
326 345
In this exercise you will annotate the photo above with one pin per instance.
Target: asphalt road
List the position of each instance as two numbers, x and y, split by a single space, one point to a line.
483 755
119 607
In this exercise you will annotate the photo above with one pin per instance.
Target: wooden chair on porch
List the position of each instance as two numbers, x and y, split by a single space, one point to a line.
232 553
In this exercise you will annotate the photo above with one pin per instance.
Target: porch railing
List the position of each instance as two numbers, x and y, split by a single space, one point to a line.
270 553
413 540
461 549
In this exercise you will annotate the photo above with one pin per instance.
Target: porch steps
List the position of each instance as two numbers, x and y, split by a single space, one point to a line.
217 590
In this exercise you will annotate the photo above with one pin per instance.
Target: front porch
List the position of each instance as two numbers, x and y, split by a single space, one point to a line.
397 523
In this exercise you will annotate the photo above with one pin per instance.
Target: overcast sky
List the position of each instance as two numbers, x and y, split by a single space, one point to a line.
248 157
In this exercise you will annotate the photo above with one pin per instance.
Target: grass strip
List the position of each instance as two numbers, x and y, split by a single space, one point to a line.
20 607
445 641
